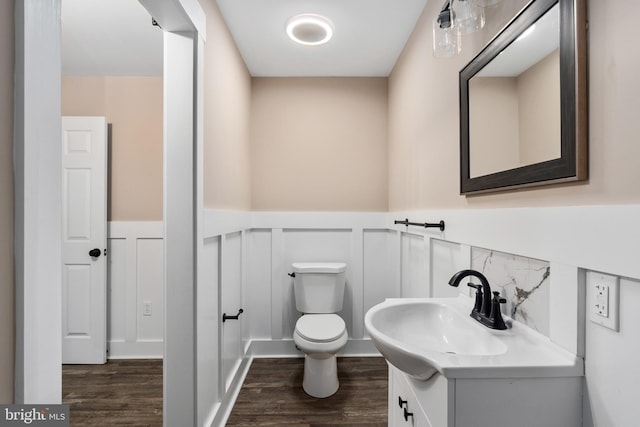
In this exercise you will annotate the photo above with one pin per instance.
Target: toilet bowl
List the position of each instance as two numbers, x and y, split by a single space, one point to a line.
320 337
320 333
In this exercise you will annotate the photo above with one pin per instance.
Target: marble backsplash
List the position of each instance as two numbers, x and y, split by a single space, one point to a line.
523 282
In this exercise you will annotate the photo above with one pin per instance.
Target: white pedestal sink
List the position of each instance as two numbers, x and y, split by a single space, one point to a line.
422 336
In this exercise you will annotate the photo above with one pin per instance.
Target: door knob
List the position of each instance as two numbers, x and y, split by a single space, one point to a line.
94 253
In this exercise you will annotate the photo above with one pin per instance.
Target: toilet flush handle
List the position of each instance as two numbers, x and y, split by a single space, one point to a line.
291 274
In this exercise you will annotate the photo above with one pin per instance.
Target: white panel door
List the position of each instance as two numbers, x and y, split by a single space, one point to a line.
84 240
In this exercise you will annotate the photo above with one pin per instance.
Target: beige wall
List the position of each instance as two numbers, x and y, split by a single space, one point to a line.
539 111
227 168
493 125
133 107
136 170
423 118
7 282
319 144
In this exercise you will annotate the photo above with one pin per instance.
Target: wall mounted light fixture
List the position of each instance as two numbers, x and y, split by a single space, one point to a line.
446 41
457 18
485 3
468 16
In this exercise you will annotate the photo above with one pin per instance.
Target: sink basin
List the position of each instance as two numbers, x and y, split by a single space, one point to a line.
424 336
416 335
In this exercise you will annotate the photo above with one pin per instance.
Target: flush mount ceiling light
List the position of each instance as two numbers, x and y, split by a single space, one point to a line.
310 29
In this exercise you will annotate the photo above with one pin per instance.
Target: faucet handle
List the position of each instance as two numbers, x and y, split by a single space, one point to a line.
495 318
496 297
478 304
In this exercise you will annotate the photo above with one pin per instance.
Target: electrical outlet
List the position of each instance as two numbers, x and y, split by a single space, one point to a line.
147 308
603 301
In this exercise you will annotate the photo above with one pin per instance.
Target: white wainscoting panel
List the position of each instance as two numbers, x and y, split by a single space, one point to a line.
380 269
612 369
573 239
362 241
271 241
397 261
567 307
278 271
602 238
208 332
231 264
117 289
415 269
357 283
135 275
221 364
257 286
447 258
150 289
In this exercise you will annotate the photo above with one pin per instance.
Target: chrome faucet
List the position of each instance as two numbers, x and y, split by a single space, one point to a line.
486 309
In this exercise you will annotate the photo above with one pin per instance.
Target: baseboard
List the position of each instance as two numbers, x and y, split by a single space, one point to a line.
286 348
360 348
273 348
136 349
226 405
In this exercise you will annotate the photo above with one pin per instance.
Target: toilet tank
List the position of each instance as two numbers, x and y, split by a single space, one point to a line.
319 286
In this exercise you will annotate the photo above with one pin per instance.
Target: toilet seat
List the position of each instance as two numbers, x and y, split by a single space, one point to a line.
320 328
320 337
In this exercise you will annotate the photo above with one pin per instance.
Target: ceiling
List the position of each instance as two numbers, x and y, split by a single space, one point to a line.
369 35
115 37
109 38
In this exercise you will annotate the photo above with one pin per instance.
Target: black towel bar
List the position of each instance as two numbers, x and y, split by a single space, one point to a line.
406 222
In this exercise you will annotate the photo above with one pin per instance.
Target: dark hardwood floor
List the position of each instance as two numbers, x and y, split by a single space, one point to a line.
121 392
129 392
272 395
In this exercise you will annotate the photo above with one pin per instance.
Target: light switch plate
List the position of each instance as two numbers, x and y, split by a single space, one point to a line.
147 309
603 302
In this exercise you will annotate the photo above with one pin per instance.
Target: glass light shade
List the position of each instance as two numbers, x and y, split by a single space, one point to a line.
468 17
486 3
445 38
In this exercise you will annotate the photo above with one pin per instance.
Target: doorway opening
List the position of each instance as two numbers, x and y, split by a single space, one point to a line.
112 65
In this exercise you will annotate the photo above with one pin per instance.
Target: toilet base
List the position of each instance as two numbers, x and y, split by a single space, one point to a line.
320 375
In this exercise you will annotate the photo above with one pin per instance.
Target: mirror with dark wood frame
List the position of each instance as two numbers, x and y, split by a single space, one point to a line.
523 102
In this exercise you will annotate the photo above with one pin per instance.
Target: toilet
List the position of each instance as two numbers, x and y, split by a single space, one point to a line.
320 333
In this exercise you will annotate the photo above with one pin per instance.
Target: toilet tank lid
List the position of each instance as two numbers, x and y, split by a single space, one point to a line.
319 267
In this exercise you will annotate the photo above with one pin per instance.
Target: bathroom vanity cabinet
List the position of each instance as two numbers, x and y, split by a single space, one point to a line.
484 402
